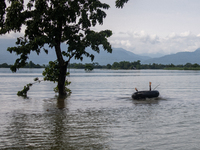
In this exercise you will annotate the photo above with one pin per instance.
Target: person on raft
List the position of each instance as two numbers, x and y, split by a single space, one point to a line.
149 86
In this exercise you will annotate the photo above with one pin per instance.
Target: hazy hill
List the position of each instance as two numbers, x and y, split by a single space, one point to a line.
103 58
118 54
176 59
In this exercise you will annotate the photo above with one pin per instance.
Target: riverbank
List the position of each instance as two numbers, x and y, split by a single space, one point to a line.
124 65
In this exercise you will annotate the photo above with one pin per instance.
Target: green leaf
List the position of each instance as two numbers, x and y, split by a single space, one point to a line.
120 3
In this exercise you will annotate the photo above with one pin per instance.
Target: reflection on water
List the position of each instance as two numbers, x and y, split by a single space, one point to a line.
61 102
100 113
57 129
150 101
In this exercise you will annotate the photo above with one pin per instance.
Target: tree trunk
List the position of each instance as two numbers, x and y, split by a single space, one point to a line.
62 77
63 70
61 80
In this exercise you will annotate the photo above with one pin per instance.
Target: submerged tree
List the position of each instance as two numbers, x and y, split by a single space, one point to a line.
89 67
51 23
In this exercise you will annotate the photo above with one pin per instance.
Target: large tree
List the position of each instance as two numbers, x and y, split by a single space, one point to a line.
51 23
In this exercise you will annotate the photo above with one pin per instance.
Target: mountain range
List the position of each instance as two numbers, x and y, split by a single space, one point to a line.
104 58
117 55
177 59
120 54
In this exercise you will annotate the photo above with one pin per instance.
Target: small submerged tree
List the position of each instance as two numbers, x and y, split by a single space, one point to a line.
89 67
53 22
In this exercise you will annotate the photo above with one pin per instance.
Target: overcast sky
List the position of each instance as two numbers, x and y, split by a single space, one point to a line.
154 26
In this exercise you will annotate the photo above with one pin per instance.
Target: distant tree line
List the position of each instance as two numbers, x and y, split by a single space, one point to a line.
87 65
5 65
187 66
118 65
137 65
28 65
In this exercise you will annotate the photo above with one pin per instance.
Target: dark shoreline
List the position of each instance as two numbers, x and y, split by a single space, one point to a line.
125 65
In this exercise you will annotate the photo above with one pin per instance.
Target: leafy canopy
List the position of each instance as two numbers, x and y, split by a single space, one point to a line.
52 22
120 3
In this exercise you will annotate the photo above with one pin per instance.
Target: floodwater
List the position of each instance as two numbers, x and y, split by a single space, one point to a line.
100 113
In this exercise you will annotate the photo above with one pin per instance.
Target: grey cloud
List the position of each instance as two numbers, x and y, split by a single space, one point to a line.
142 42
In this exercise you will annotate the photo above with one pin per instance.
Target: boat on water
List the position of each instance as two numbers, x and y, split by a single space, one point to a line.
145 94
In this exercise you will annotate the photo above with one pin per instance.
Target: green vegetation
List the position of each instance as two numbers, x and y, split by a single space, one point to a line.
89 67
51 23
5 65
138 65
26 88
187 66
115 65
32 65
28 65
